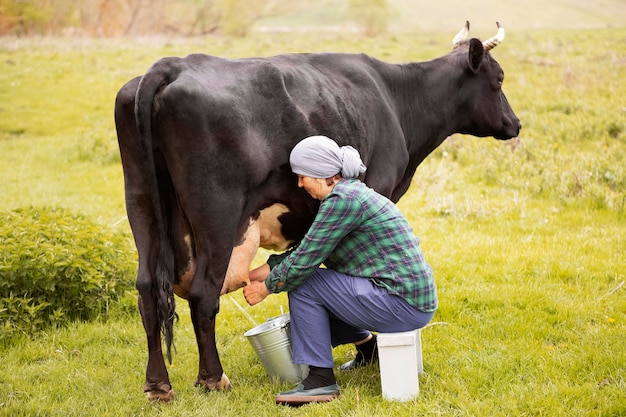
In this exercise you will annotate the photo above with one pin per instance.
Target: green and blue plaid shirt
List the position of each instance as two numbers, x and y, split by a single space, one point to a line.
361 233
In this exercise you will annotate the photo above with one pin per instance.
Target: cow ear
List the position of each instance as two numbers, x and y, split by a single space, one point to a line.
476 54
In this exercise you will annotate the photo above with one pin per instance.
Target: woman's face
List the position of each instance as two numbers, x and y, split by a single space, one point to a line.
316 187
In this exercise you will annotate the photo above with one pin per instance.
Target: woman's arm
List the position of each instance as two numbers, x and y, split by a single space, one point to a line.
260 273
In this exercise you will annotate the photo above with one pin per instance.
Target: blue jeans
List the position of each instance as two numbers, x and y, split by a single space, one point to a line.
332 309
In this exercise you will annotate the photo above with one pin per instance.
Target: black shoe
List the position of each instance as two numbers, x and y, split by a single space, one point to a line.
359 361
300 396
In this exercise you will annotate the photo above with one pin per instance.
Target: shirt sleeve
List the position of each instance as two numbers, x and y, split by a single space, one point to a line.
336 218
277 258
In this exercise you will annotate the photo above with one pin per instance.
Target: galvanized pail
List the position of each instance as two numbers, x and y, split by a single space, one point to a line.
272 343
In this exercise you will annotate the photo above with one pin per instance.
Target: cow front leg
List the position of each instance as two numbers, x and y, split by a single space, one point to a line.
157 386
204 306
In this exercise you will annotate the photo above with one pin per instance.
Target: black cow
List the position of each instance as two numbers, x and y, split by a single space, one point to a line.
205 144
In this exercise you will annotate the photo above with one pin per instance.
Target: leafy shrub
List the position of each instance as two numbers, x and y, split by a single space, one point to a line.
56 267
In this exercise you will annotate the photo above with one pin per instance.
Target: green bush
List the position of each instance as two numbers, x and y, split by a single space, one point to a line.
57 267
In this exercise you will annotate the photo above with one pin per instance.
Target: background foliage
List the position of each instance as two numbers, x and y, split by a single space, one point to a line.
114 18
56 268
179 17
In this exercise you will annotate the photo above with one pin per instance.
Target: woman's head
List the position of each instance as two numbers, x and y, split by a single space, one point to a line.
322 157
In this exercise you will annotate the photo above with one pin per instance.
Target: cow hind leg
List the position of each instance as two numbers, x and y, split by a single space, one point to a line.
157 386
140 215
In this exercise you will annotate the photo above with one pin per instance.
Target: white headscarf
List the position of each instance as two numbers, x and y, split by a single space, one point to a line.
321 157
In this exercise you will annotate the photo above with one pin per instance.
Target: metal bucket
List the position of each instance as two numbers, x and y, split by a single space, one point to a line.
272 343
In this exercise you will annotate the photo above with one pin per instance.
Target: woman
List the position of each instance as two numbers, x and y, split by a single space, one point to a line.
376 278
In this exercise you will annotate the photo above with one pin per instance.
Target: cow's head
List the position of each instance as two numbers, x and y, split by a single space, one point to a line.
481 92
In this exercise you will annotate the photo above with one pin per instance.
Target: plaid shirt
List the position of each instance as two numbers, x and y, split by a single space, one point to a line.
361 233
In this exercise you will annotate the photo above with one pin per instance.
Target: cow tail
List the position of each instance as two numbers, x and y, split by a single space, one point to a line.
158 76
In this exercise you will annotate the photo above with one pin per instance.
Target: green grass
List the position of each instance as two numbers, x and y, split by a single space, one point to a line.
526 237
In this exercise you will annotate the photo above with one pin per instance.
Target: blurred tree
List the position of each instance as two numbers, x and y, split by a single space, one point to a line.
371 15
206 17
237 17
88 16
62 14
138 17
109 17
23 18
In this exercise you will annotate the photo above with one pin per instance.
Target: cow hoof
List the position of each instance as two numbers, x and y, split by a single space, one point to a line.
223 383
158 395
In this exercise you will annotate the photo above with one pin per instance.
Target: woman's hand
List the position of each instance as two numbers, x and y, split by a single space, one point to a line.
255 292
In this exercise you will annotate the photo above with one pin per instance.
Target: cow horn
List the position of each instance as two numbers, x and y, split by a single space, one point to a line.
493 42
462 34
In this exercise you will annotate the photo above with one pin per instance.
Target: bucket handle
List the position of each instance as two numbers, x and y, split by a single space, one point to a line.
282 326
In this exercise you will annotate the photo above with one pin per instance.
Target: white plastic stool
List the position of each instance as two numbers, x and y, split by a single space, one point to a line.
400 358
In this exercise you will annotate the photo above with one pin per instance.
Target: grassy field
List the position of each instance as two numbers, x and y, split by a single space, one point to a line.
526 237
